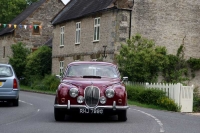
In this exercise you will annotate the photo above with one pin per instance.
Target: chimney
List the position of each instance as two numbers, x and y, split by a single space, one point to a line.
124 4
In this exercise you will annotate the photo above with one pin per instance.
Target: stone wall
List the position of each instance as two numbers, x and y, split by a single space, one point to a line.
113 30
6 41
168 22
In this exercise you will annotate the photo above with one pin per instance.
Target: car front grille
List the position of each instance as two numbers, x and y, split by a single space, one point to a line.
92 94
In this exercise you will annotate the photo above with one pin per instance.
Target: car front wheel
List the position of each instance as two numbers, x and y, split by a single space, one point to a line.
58 115
122 115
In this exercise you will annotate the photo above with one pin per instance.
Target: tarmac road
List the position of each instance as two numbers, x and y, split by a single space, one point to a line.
35 115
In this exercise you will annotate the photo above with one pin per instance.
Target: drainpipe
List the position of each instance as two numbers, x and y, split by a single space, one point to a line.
130 21
130 24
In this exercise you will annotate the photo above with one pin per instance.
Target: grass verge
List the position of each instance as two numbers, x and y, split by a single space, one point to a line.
26 88
145 105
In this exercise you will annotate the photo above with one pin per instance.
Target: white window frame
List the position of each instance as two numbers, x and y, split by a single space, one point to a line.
78 33
96 29
61 67
62 36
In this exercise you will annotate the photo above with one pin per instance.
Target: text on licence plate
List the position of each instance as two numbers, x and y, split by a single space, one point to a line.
91 111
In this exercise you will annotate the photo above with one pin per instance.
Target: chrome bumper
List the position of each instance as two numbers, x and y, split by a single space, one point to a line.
69 106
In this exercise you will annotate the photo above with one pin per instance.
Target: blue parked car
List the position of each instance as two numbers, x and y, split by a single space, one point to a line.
9 85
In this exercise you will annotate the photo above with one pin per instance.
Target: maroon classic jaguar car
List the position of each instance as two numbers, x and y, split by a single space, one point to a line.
93 88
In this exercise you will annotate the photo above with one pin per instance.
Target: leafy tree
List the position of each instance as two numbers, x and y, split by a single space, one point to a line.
11 8
140 59
18 58
38 63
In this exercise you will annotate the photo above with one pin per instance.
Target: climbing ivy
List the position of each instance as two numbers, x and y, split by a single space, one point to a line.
194 65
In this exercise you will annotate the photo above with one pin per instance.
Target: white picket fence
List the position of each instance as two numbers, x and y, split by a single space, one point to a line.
182 95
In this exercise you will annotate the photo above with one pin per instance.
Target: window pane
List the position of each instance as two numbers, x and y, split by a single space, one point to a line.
60 39
79 36
76 35
95 21
63 39
97 33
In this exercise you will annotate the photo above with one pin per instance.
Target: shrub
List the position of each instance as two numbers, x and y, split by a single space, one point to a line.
18 58
140 59
167 103
51 82
48 83
150 96
38 63
133 92
196 100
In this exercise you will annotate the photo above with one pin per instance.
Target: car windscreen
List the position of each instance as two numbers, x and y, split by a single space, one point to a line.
84 70
5 71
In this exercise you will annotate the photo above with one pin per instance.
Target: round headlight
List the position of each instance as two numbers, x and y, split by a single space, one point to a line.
73 92
80 99
102 100
110 93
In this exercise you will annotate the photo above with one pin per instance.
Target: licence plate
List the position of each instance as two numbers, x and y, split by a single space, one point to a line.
90 111
1 83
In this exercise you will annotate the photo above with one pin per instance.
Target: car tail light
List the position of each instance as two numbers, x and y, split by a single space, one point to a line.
15 84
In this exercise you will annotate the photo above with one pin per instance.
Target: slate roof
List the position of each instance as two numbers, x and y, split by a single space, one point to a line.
79 8
17 20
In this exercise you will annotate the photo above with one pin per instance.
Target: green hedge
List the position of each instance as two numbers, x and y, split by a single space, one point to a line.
49 83
151 96
196 100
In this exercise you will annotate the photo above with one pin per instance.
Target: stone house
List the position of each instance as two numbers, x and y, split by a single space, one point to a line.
81 29
32 27
84 28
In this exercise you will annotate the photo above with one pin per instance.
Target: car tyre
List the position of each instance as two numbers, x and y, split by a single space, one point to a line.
122 115
58 115
16 102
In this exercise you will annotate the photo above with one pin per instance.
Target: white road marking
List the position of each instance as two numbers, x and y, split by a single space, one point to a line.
156 119
23 118
25 102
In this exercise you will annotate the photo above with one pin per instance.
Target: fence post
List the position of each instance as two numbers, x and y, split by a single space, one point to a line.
177 93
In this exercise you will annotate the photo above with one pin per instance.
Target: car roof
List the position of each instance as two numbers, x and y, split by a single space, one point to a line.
2 64
91 62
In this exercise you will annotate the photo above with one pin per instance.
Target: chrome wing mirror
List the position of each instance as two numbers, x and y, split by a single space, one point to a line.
59 77
124 79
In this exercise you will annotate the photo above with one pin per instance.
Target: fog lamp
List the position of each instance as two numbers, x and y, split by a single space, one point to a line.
102 100
80 99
